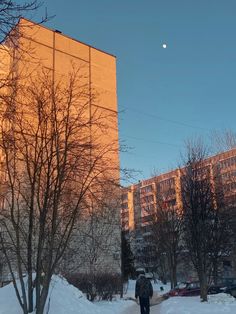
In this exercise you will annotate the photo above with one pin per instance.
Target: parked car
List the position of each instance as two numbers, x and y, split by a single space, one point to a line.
186 289
228 285
176 290
230 290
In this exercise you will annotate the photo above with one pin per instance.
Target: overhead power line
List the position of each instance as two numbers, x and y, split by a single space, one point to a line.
165 119
150 141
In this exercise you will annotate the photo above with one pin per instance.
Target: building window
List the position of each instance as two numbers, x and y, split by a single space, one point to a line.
146 189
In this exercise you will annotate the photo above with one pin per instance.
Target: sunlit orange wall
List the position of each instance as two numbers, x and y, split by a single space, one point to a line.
62 54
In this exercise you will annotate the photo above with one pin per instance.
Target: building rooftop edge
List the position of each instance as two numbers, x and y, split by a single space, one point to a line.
174 170
67 36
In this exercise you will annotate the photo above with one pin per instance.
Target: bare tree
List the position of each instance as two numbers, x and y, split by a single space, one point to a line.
226 142
11 12
198 211
222 235
166 226
205 219
95 247
223 141
12 29
98 234
52 167
127 258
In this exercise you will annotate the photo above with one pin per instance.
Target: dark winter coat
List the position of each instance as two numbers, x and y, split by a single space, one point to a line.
143 287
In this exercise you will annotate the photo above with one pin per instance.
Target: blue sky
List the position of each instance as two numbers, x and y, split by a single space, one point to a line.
165 95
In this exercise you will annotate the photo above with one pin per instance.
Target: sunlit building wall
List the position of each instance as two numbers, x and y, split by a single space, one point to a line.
43 50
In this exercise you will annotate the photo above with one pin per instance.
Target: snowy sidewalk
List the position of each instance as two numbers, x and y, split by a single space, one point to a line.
135 309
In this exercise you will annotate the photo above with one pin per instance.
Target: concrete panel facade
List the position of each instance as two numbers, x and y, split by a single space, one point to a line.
45 50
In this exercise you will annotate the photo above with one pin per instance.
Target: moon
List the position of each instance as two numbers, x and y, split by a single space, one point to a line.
164 46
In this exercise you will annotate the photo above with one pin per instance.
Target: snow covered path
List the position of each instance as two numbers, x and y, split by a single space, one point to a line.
134 309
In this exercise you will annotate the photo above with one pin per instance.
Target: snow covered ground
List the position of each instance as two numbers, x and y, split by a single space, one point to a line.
66 299
63 299
217 304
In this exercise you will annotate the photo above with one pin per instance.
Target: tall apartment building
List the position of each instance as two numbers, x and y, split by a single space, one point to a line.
139 200
43 50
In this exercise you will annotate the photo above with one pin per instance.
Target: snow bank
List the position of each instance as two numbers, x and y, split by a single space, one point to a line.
221 298
63 298
217 304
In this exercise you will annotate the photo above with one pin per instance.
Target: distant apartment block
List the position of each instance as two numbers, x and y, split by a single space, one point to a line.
141 198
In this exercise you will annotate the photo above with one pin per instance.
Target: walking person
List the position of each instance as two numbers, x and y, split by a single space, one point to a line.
143 290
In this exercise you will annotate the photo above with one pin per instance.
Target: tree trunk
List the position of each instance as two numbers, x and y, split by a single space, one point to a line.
122 280
42 301
30 293
215 271
173 271
203 287
174 275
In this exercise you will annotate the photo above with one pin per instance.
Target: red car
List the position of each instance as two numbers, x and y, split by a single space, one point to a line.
187 289
177 290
